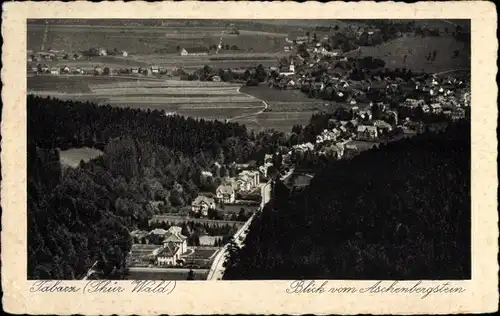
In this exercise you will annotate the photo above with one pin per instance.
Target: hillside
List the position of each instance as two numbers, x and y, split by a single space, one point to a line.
84 215
398 212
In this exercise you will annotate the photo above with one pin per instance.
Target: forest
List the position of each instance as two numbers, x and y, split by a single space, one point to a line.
80 216
400 211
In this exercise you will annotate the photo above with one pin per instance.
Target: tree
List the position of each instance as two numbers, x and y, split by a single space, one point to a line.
106 71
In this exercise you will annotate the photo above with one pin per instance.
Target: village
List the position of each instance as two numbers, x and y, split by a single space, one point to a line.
369 105
193 237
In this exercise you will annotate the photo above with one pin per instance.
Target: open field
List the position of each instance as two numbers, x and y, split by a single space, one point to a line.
208 100
148 39
280 121
72 157
416 49
203 253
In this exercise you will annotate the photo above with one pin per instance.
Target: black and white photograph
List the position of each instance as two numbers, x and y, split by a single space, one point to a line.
188 149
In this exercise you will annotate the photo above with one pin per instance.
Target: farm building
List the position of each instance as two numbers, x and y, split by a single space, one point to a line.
66 69
216 78
155 69
98 70
195 51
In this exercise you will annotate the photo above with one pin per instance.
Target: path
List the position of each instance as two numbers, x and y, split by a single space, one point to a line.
451 70
44 39
251 114
90 271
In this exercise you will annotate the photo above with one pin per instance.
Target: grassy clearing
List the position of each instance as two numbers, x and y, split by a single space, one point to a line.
147 39
265 93
280 121
73 84
416 49
72 157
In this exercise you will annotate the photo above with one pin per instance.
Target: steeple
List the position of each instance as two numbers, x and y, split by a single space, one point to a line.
292 67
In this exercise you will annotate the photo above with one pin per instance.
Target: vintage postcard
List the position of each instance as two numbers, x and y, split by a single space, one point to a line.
249 158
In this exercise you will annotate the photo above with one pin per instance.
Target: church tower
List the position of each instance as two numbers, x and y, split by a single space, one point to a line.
292 66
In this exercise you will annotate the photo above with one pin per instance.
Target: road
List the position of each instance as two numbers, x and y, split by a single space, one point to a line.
217 270
251 114
449 71
90 271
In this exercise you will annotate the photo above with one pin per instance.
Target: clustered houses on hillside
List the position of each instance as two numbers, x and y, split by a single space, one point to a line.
232 190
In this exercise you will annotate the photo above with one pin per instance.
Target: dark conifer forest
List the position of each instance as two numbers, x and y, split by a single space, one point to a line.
401 211
80 216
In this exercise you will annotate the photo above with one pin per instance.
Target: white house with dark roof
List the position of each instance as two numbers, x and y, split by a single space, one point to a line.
168 255
155 69
202 204
177 239
54 71
225 193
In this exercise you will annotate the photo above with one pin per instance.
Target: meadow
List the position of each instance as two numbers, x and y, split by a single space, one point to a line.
417 49
279 121
148 39
72 157
208 100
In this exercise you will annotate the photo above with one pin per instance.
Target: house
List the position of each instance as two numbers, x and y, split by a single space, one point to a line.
79 70
155 69
382 126
103 52
209 240
412 103
425 108
225 194
135 70
216 78
125 54
457 114
156 236
436 108
202 204
243 184
54 71
168 255
206 174
98 71
66 69
332 53
365 132
253 176
176 238
195 51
